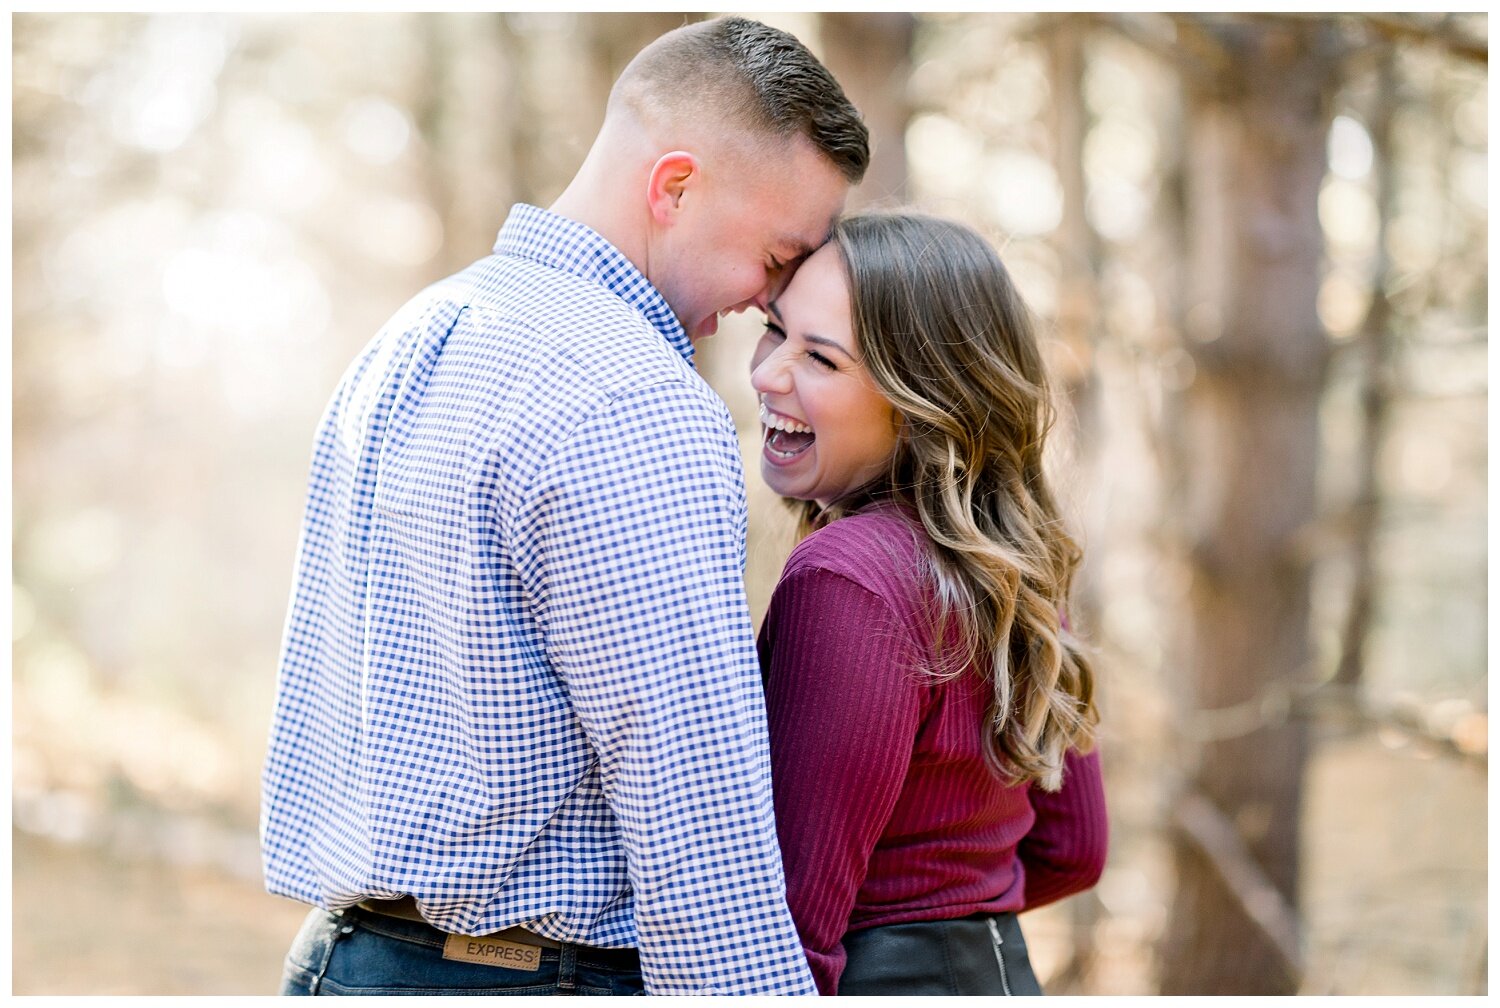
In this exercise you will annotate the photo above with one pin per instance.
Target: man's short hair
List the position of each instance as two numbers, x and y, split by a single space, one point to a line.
751 75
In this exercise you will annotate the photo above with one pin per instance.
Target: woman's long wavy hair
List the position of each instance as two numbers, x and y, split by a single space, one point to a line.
948 340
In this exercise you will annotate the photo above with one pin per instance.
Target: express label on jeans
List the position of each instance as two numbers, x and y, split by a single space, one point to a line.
490 952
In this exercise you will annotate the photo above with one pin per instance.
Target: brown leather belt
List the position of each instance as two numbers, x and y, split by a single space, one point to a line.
406 909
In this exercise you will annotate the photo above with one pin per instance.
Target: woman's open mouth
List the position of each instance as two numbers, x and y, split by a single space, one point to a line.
785 438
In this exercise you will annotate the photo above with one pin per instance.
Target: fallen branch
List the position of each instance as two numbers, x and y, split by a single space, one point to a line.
1216 838
1467 741
1439 30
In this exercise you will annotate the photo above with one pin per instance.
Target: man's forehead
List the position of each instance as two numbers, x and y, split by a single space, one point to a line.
799 198
802 244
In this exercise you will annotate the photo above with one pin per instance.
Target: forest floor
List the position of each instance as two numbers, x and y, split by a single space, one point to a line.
1395 873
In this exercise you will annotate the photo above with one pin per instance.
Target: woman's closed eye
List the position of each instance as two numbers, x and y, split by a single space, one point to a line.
774 335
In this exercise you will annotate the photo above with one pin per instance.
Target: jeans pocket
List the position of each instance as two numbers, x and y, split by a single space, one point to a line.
307 960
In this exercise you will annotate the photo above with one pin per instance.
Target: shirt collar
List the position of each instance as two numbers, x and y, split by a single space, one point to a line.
556 241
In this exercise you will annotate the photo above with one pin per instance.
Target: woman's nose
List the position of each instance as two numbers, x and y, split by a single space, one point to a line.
767 372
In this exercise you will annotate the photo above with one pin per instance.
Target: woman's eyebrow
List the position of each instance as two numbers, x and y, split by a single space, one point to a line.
826 342
774 311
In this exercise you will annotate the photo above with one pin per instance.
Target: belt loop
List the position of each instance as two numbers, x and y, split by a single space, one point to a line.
336 927
567 965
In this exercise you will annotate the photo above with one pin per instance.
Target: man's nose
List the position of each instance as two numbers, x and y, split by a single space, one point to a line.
776 285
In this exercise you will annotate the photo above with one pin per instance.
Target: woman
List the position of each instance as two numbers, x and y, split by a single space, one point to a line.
930 711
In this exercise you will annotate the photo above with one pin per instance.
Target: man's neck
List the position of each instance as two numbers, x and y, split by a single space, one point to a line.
608 193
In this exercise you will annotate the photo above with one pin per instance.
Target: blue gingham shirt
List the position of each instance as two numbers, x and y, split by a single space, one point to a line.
518 680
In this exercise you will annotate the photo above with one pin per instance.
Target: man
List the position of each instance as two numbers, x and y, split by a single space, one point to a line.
519 732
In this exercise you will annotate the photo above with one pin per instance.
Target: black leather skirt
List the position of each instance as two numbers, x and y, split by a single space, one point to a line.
974 955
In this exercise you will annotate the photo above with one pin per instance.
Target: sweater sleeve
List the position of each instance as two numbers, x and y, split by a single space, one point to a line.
843 713
1064 851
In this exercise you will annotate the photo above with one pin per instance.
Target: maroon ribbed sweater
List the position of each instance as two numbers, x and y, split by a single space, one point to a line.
885 806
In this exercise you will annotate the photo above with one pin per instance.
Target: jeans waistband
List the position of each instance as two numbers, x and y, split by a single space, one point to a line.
401 920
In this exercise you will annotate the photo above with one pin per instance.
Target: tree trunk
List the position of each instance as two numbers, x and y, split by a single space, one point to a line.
1377 343
468 169
614 40
1077 331
1077 323
1256 160
870 54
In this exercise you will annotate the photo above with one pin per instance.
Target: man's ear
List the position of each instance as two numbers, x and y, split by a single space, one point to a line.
672 177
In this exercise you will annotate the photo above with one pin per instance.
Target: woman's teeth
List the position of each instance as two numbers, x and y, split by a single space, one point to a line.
776 421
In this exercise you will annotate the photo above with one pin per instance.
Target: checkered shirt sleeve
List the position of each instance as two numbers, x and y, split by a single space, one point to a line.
518 679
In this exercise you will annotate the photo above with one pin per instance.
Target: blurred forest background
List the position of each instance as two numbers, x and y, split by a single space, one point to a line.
1259 250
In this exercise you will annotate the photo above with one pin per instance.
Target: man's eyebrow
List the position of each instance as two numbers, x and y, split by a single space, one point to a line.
798 245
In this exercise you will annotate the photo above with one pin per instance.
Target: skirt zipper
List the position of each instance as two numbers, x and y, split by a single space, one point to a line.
999 959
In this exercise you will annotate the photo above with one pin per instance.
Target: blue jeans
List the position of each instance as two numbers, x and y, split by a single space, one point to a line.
356 951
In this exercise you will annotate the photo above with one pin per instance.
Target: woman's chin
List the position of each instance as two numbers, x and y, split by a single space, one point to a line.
777 480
